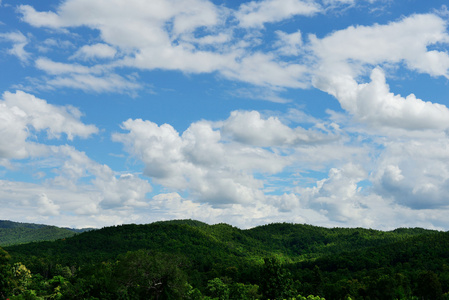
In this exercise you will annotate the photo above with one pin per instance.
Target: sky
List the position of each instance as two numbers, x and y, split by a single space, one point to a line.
326 112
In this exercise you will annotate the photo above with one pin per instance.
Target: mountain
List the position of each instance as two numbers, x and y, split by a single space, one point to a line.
292 242
330 262
13 233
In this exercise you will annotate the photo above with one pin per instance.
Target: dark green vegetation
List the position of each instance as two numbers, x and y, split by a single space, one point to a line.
187 259
12 233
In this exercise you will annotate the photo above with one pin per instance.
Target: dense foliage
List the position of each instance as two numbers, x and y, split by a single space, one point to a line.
12 233
187 259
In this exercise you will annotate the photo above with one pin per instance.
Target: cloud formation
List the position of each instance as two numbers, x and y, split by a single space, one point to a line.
256 13
338 145
373 103
19 42
23 114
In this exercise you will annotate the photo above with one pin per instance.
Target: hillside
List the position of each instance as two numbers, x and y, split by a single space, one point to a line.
13 233
293 242
330 262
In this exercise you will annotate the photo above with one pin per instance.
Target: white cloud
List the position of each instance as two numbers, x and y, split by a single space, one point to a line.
248 169
52 44
151 32
334 2
414 173
194 37
256 13
217 163
49 19
82 189
90 79
374 104
173 35
196 161
92 83
347 54
288 44
19 42
126 190
57 68
106 189
142 18
250 128
95 51
43 116
46 206
264 69
406 41
23 113
62 206
336 196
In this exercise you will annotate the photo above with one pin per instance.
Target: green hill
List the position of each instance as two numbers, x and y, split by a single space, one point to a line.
330 262
13 233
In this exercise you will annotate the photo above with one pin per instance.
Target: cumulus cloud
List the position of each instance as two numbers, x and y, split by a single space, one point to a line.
336 196
226 170
22 114
43 116
345 55
76 187
62 206
125 190
414 173
46 206
216 163
250 128
374 104
195 161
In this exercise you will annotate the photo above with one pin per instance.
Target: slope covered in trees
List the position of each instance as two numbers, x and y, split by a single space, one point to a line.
12 233
187 259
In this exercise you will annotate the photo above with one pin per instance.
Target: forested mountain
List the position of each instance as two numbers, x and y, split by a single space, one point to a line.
13 233
187 259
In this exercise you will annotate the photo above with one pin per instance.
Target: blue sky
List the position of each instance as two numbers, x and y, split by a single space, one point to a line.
326 112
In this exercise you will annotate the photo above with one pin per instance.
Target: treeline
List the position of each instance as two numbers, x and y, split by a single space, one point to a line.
187 259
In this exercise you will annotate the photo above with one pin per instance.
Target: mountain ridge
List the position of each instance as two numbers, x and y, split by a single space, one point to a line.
333 262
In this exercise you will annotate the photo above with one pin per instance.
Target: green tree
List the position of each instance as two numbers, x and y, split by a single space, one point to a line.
146 275
4 273
312 297
276 282
21 278
429 286
240 291
218 289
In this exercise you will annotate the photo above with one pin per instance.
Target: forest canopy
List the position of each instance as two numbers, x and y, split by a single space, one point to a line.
187 259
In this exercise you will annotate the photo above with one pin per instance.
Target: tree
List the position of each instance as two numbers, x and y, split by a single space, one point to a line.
218 289
275 280
21 277
429 286
4 273
147 275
